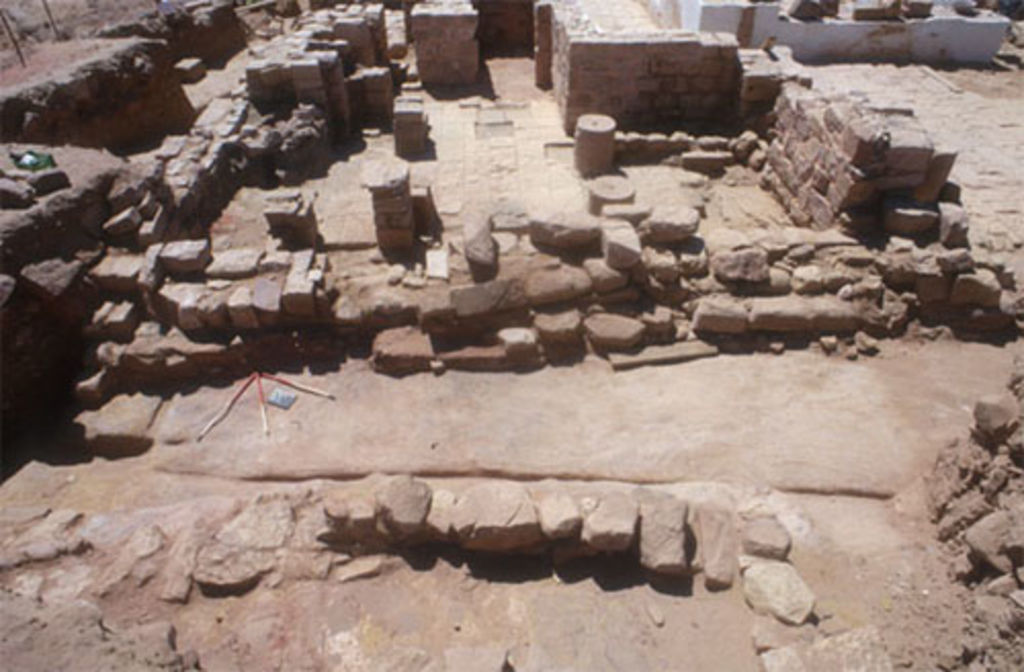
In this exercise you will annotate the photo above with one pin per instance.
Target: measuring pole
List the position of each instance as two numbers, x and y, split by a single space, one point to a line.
14 40
53 24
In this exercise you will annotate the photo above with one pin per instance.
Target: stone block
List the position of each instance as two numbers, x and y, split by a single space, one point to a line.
609 522
183 257
401 351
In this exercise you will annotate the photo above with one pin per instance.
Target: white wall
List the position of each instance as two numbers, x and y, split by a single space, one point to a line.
945 39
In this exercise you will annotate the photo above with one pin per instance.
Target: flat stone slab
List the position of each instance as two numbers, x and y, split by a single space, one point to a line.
662 354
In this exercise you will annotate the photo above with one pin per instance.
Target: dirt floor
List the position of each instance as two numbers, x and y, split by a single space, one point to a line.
838 448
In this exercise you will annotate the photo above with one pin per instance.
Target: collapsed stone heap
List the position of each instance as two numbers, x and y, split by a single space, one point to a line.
837 160
976 494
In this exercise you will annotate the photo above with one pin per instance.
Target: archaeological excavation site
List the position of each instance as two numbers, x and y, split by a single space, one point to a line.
512 335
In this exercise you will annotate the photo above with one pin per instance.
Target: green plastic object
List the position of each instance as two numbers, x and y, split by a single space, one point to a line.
33 161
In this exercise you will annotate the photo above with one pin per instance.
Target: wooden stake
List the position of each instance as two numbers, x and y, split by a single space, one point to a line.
14 40
53 24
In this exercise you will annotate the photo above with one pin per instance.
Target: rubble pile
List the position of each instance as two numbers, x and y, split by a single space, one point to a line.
838 161
976 494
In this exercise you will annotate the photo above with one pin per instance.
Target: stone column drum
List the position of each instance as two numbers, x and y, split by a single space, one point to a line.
595 144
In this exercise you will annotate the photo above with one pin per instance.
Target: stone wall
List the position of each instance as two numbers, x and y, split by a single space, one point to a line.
642 79
123 95
506 26
837 160
213 34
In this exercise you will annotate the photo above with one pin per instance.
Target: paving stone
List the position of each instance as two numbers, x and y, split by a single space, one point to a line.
662 354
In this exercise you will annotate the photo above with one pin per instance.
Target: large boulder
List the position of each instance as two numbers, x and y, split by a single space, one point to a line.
620 244
556 283
775 588
403 503
401 351
560 516
747 264
663 534
765 537
565 230
610 332
609 522
670 224
720 315
497 516
996 416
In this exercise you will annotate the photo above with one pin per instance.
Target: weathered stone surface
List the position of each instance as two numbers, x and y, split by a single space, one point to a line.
117 273
987 539
403 503
553 285
603 277
352 516
565 230
401 351
749 264
720 315
478 243
670 224
808 280
660 264
125 222
620 245
52 278
441 517
609 189
908 218
766 537
860 650
996 416
265 524
662 354
663 534
487 297
953 225
242 262
718 546
561 327
707 162
784 314
185 256
607 331
559 516
520 343
980 288
609 521
121 427
775 588
223 569
15 195
497 516
240 309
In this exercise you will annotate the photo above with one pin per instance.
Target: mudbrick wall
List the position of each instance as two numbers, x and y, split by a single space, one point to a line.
212 34
641 79
124 94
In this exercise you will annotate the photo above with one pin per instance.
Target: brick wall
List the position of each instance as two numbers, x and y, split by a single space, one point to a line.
645 79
